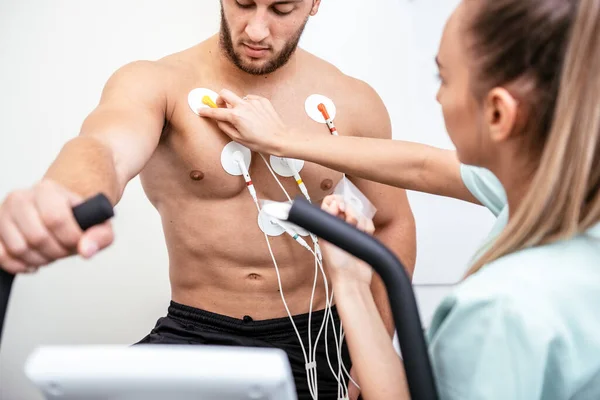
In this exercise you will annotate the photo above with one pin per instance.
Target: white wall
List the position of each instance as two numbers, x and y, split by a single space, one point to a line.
55 57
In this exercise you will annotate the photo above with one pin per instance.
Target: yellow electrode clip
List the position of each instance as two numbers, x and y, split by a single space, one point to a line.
209 102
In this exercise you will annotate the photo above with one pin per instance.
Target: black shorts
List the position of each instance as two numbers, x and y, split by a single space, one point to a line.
188 325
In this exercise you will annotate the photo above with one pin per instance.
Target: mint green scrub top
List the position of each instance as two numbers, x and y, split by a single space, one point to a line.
526 326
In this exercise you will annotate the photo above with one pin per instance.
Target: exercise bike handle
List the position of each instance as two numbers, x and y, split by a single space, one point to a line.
92 212
417 364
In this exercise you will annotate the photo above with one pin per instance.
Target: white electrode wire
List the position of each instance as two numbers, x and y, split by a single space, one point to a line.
341 362
335 375
275 176
327 298
300 183
312 298
327 315
324 324
311 372
311 388
288 310
313 237
338 345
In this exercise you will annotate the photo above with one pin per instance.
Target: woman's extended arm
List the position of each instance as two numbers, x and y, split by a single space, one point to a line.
378 367
253 122
412 166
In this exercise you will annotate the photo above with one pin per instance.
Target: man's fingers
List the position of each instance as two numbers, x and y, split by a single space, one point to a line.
10 264
73 198
95 239
16 246
55 211
14 243
37 236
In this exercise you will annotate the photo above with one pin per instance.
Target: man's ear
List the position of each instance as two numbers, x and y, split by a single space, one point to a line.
315 8
501 111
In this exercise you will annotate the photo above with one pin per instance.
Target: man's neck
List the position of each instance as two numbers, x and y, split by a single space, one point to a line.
262 85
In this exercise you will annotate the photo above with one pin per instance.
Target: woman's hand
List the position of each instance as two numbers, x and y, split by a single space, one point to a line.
251 121
343 267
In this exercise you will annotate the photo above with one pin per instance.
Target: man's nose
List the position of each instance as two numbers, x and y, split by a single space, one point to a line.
258 27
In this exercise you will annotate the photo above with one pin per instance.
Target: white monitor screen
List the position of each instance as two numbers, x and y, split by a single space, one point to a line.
154 372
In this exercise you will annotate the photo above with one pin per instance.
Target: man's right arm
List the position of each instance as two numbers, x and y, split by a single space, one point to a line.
116 140
118 137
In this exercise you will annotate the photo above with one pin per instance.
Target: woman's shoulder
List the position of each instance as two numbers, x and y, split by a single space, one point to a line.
540 288
563 266
485 187
534 306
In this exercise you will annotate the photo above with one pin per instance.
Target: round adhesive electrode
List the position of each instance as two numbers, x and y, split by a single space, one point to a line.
195 98
282 165
311 106
228 162
301 231
266 224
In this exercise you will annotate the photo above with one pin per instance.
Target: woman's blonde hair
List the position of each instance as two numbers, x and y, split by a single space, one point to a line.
553 46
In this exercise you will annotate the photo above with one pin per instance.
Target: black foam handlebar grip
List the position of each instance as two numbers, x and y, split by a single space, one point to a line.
415 355
92 212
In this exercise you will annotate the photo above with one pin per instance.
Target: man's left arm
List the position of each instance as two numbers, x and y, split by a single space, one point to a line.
394 220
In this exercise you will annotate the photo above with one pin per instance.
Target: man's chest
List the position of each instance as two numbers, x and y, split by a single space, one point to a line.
196 147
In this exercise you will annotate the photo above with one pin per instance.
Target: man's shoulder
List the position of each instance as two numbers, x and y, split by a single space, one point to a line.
144 72
335 76
172 65
360 100
185 60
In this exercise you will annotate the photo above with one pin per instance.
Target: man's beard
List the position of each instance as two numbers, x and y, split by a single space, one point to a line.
271 66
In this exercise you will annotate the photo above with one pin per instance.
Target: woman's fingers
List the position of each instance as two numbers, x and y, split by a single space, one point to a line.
230 98
370 227
229 130
335 205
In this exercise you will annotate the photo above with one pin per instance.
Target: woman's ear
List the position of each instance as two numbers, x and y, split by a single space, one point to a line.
500 113
315 7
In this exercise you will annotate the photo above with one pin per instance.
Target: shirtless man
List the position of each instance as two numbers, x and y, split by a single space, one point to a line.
224 284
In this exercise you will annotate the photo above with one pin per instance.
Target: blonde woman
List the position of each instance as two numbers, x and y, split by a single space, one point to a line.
520 94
